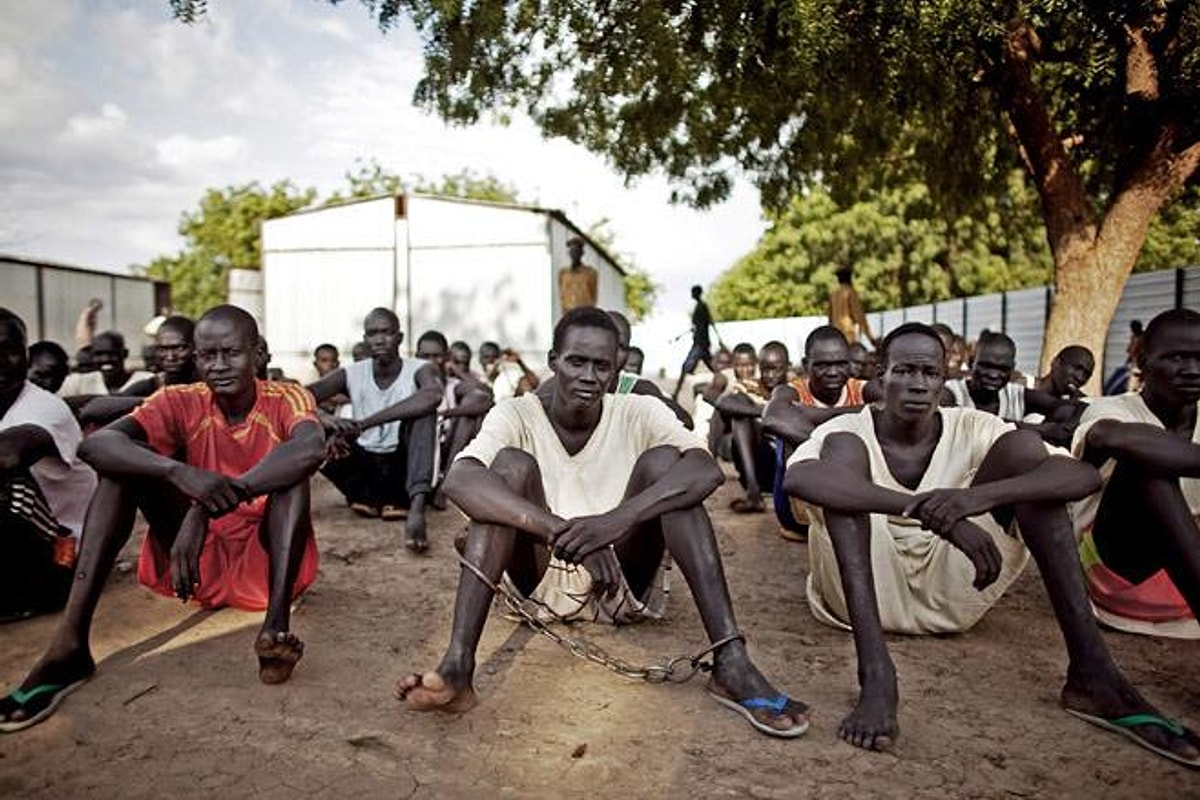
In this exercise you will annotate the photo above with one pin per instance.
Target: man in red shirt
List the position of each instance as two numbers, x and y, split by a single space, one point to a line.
220 469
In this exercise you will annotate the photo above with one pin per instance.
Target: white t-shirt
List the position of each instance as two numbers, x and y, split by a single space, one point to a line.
922 582
88 383
66 481
1012 399
506 381
592 481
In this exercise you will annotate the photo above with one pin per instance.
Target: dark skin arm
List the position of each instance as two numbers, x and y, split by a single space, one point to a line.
1151 448
785 418
485 497
694 477
714 388
423 401
103 410
739 405
473 402
22 446
645 387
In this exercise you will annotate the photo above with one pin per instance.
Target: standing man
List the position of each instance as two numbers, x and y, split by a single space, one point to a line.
701 345
577 282
846 311
387 469
229 524
915 535
605 482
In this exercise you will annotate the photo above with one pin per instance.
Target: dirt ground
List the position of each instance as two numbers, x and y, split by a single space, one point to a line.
176 708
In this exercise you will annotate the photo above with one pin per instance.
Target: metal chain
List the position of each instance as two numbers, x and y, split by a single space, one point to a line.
679 669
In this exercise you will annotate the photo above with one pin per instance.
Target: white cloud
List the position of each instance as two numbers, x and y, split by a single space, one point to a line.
110 121
185 152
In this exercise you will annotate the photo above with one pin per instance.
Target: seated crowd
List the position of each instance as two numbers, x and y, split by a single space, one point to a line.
923 478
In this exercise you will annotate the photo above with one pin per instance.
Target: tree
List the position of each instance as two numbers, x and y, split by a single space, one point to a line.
223 233
369 179
1096 100
903 252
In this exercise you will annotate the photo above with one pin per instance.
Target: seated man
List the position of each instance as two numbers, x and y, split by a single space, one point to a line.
505 372
606 482
624 382
824 391
990 388
175 355
386 464
229 525
44 487
914 536
1070 370
1140 535
49 366
742 409
325 360
464 403
109 374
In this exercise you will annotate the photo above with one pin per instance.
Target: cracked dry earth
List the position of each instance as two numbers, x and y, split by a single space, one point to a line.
176 708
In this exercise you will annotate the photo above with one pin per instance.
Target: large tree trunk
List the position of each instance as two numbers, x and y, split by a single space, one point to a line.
1092 259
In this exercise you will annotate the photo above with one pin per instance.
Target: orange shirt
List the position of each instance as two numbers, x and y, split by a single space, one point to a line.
233 563
851 393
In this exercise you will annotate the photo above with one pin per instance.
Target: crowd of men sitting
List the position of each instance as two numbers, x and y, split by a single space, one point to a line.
923 476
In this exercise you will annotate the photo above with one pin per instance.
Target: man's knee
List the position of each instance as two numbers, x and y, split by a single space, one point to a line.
847 450
1021 451
515 467
653 464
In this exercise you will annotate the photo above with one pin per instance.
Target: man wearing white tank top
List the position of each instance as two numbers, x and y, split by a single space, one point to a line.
382 459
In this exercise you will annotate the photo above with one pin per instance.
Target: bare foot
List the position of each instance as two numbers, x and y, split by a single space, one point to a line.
415 539
277 655
872 724
429 692
747 505
1113 698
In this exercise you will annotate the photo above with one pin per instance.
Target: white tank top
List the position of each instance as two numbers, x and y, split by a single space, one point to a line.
367 399
1012 399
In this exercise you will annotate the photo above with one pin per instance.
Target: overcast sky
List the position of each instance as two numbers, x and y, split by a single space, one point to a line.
115 118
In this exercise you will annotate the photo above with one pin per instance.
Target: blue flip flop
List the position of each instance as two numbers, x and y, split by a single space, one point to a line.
39 702
778 705
1125 727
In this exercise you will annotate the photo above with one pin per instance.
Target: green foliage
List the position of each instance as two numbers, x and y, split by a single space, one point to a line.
1174 237
223 233
369 179
903 253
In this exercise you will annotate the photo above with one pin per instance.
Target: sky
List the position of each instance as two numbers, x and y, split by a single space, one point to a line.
116 118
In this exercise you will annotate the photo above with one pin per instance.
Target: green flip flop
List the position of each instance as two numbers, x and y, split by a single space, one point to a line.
1125 727
38 702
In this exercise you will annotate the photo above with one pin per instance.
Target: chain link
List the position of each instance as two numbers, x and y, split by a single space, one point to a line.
679 669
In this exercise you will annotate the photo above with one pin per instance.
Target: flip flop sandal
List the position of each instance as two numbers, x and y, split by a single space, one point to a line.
780 704
1125 727
393 513
39 702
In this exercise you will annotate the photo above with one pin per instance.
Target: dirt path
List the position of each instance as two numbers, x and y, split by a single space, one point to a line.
176 708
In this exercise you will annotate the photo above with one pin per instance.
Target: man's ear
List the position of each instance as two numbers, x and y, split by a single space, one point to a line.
551 361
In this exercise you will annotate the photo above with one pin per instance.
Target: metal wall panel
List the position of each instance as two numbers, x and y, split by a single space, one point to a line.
1191 288
983 311
891 319
952 313
1025 323
1146 295
919 314
20 295
65 293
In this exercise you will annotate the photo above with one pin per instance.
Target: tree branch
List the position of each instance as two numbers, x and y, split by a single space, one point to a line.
1068 216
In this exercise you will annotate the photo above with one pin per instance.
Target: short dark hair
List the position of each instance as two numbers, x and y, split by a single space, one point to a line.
326 347
776 345
181 325
994 338
434 336
116 337
823 333
489 345
240 317
381 311
919 328
461 345
49 348
1156 327
745 348
844 274
10 318
584 317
